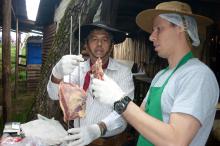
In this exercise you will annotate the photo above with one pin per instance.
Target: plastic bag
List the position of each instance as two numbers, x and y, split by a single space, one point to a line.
49 131
18 141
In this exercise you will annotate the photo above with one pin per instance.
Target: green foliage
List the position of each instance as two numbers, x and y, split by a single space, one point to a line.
20 112
24 100
22 72
22 75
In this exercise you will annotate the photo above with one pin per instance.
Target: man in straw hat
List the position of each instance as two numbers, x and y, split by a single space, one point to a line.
179 107
99 41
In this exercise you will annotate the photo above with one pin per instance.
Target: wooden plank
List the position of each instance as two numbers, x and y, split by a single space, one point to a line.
49 38
47 45
49 33
22 56
18 36
29 72
6 60
35 66
32 81
33 75
22 65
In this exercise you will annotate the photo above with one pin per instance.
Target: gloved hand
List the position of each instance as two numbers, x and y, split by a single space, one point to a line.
66 65
106 91
83 136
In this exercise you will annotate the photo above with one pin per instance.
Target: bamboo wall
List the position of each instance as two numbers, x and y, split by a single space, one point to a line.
139 51
133 50
33 76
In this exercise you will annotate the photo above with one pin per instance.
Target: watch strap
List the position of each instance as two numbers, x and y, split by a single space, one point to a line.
102 127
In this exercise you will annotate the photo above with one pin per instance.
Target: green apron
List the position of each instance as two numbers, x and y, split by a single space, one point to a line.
153 104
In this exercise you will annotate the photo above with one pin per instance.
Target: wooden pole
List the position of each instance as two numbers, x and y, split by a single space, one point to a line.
16 58
6 60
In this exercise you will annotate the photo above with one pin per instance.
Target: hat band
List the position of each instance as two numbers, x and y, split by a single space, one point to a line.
178 9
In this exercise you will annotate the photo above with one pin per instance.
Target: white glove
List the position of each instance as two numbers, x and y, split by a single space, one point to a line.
83 136
66 65
106 91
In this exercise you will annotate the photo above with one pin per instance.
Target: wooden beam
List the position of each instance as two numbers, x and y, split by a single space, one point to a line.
6 60
16 57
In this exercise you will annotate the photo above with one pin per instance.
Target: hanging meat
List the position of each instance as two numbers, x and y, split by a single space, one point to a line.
73 98
97 70
72 101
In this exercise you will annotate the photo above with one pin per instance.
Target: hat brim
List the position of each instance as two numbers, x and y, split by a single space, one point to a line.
145 19
118 36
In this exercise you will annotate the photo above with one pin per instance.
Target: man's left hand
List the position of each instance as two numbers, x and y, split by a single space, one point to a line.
106 91
83 135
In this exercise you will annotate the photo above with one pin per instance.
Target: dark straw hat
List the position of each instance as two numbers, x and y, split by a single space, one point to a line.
118 36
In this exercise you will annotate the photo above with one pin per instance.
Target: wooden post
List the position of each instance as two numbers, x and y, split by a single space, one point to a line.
16 57
6 60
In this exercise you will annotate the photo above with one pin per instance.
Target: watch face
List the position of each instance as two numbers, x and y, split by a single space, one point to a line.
119 107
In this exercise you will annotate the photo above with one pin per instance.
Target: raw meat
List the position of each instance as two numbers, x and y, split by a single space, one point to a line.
72 101
73 98
97 70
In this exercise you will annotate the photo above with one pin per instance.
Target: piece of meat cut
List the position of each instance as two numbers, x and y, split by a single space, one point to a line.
72 101
73 98
97 70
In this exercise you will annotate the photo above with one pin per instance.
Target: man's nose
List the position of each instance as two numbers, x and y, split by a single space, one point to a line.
100 42
152 36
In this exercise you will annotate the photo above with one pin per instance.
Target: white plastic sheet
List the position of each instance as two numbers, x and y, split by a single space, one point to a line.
48 130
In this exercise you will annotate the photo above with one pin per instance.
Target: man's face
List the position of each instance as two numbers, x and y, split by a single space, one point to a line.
99 44
165 37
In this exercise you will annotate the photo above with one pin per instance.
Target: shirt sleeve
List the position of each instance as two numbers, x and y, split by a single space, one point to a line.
115 124
127 85
197 94
52 90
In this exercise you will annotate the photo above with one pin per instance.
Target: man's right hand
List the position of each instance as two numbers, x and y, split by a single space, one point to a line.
66 65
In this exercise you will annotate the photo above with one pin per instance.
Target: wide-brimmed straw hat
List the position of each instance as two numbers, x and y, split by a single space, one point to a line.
145 18
118 36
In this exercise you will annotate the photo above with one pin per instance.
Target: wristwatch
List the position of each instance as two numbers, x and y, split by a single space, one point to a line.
121 105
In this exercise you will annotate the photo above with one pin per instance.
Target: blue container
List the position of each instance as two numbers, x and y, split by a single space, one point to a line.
34 53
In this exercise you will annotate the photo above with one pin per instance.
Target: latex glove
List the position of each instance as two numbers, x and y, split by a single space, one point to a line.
83 136
66 65
106 91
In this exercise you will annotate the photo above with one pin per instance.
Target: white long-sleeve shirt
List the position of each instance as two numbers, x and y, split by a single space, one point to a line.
96 111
